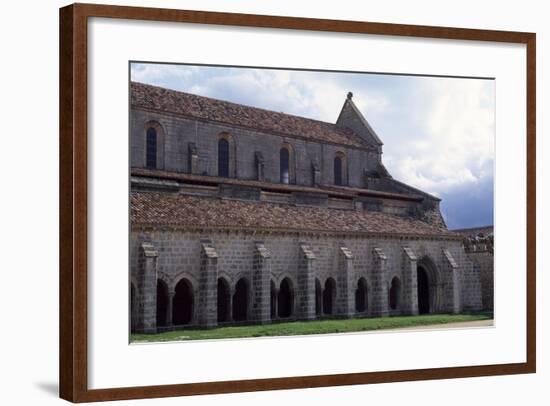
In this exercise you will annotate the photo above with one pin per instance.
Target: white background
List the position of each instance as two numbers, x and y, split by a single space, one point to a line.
28 292
112 363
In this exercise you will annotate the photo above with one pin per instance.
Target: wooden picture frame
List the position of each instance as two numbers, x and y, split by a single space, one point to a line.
73 281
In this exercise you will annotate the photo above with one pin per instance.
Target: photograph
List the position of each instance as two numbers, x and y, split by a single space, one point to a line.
268 202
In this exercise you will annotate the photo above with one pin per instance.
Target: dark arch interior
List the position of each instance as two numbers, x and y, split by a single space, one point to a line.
273 293
284 299
361 296
223 158
423 290
284 165
240 301
223 300
183 303
151 148
337 170
162 303
132 308
395 293
318 297
329 295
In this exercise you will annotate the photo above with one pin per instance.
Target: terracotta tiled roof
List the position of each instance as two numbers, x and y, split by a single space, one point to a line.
475 231
205 108
332 190
179 210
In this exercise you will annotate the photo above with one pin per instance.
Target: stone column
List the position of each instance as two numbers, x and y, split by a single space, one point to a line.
147 296
275 303
306 283
261 272
208 286
170 307
450 267
230 310
346 306
409 304
379 306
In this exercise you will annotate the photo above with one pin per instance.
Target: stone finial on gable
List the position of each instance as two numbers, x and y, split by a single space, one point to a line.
352 118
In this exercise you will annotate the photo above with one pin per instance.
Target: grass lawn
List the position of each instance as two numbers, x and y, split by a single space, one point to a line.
310 327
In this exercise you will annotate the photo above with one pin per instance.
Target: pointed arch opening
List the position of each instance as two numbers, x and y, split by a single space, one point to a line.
183 303
133 309
285 299
284 158
287 171
361 296
429 287
224 301
423 291
162 303
340 169
226 156
154 145
240 300
318 298
395 293
151 148
273 300
329 297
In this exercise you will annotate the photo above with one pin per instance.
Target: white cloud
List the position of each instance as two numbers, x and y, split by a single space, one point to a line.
438 132
310 94
453 140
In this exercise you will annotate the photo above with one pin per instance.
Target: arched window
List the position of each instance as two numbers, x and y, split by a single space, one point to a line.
223 158
338 170
284 165
151 148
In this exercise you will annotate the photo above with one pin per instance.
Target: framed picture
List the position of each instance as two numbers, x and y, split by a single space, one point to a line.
257 202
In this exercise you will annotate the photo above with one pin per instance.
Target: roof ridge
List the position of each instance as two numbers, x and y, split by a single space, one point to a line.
344 131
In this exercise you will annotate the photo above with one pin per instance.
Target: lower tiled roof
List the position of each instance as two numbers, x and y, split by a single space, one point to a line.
159 209
336 191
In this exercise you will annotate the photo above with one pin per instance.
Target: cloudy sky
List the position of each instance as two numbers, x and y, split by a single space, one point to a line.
438 133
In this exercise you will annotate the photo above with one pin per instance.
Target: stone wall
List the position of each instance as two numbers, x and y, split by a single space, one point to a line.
302 259
177 133
483 263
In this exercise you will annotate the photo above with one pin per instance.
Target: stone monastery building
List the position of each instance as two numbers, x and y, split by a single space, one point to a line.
244 215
